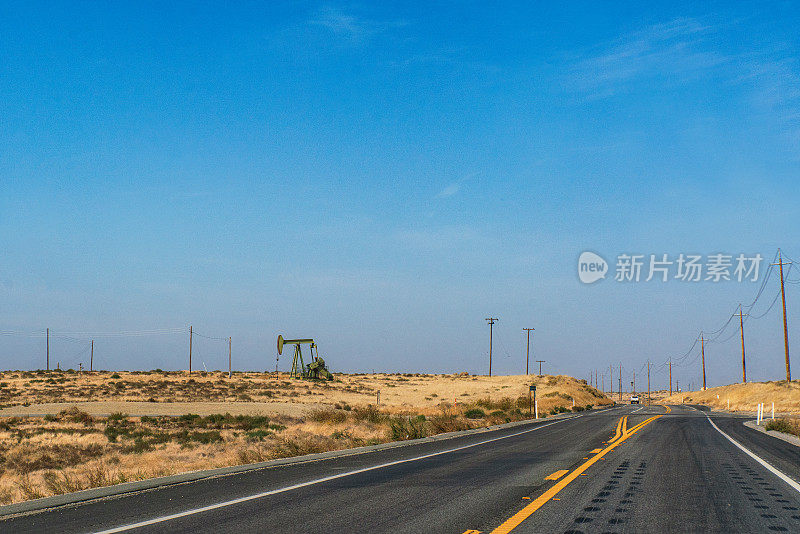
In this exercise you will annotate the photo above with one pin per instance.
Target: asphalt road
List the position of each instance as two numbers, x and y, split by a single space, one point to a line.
627 469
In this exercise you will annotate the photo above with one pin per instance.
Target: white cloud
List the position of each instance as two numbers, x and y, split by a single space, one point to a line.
350 27
449 191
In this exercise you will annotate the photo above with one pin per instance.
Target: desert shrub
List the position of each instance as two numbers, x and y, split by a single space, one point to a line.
75 415
402 428
369 413
447 423
249 422
578 408
211 436
559 409
29 458
118 416
784 425
50 418
476 413
327 415
28 489
190 419
303 443
60 482
139 446
115 376
258 435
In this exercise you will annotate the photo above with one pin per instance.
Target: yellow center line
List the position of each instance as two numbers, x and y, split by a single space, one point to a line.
618 432
625 424
669 410
557 474
515 520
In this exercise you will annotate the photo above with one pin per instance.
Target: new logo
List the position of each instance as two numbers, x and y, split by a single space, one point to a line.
591 267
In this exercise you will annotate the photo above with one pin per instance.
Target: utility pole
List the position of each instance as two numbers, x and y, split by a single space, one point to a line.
780 265
611 379
703 357
620 381
603 379
190 349
648 382
230 369
633 383
491 321
48 349
91 358
540 362
528 352
741 329
670 376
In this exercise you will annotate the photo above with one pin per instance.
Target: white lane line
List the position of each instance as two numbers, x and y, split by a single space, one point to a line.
774 471
162 519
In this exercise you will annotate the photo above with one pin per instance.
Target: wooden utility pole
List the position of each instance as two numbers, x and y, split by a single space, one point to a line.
780 265
648 382
491 320
611 378
91 358
741 330
620 381
48 349
540 362
703 358
190 349
230 369
670 376
528 352
633 383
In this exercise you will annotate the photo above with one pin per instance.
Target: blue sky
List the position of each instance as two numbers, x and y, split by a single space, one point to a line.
383 178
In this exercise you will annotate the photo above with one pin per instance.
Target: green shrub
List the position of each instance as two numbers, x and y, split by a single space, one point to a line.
474 413
402 428
783 425
115 376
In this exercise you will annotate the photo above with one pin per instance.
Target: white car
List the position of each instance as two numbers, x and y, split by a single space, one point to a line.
635 399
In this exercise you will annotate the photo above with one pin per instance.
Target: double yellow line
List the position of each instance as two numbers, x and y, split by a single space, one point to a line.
622 434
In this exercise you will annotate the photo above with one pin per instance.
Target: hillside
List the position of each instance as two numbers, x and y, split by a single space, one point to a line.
745 397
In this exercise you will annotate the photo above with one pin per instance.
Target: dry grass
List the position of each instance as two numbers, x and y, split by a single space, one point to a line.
175 393
746 397
70 449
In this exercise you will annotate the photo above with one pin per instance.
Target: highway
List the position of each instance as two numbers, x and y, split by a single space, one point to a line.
625 469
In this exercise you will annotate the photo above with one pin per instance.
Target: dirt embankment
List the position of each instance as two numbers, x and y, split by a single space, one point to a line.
746 397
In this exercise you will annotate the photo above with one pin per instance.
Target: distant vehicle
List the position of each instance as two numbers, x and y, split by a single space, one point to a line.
635 399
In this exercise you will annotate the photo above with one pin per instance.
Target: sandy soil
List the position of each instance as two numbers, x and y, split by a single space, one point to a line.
176 393
134 408
745 397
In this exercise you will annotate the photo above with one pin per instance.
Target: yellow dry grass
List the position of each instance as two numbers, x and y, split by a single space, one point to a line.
176 393
62 432
746 397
